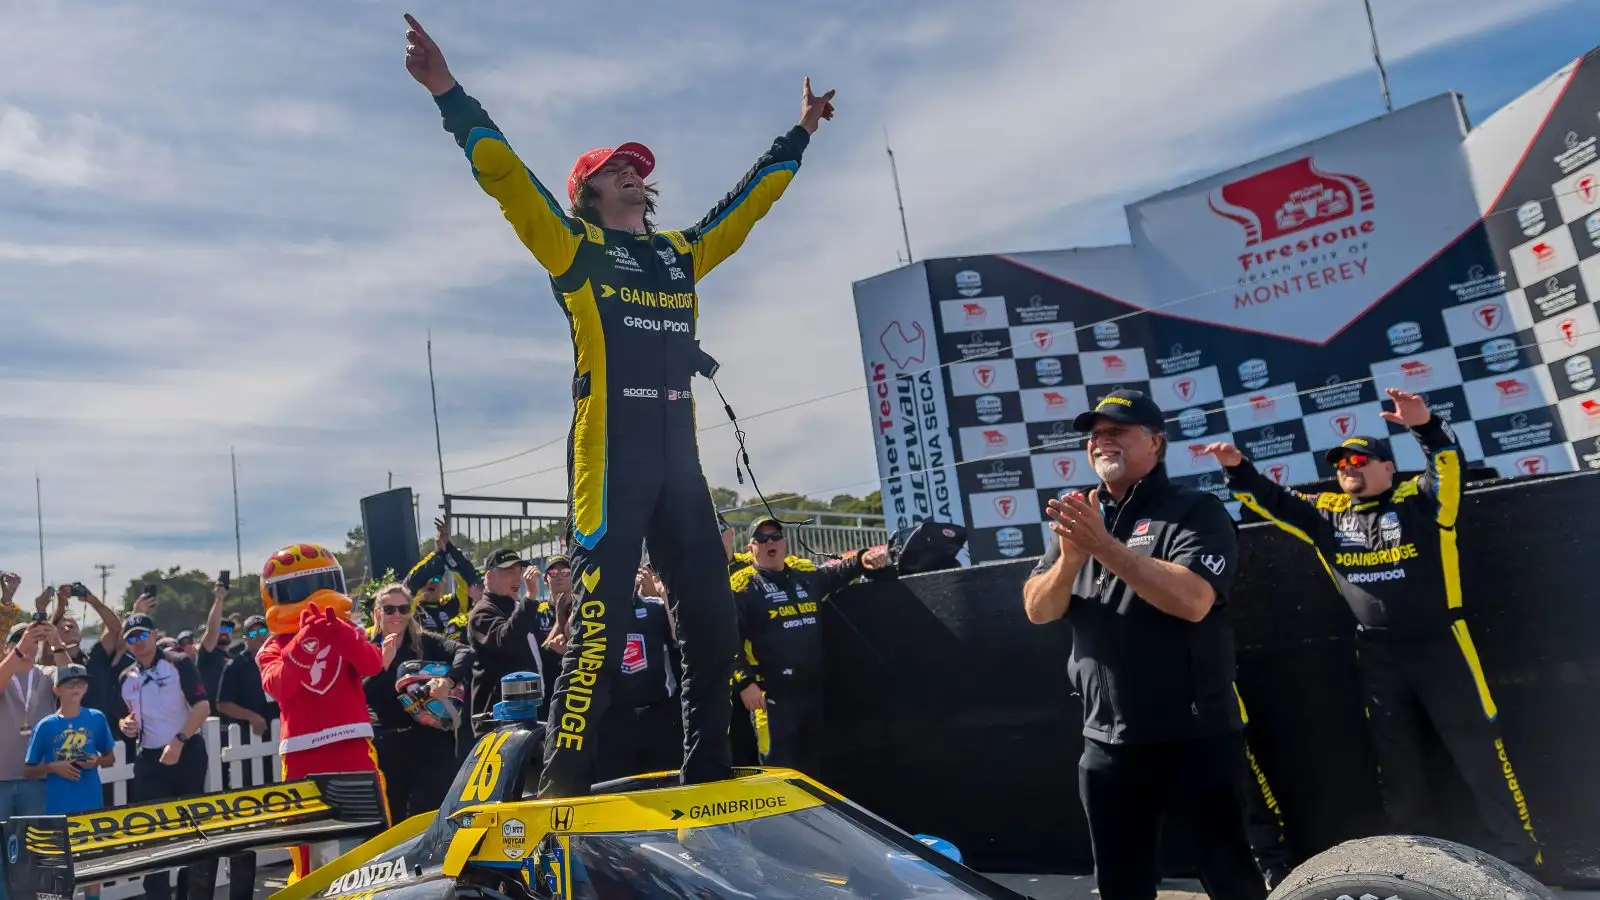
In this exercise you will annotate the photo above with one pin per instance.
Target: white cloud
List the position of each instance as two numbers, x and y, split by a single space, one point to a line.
60 158
234 244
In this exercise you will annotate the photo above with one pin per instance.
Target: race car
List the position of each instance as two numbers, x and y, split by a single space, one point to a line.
766 832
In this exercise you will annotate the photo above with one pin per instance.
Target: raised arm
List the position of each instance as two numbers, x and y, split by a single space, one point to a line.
1446 463
533 212
724 229
1299 514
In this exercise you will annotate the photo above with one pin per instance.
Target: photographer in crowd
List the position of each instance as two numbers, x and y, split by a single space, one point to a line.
415 702
167 706
1391 551
1141 570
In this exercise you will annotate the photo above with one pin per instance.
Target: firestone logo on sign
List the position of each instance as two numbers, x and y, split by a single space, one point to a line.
1489 316
1279 473
1184 388
1006 506
1292 198
1532 465
1043 338
1343 424
1569 331
1064 466
984 375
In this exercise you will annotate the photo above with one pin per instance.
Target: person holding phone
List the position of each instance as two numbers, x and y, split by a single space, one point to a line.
68 749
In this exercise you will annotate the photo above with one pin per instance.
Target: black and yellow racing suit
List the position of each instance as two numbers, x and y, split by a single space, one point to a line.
782 635
634 467
1394 558
456 574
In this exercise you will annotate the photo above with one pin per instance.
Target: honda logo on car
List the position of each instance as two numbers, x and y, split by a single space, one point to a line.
370 876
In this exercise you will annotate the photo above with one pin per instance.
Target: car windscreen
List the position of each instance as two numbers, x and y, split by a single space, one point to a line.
812 853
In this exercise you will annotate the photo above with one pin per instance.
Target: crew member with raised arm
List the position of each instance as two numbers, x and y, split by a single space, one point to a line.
1391 551
628 292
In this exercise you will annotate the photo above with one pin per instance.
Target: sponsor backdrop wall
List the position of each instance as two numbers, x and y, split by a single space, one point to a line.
1269 306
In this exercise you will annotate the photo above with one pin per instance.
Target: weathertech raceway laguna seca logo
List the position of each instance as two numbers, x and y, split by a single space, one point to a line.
1304 229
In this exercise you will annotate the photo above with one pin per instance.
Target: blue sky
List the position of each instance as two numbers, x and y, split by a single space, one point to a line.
234 224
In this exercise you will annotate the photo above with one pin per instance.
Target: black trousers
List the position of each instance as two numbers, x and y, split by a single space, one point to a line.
154 781
1264 825
789 733
662 501
418 764
1437 682
1129 790
637 740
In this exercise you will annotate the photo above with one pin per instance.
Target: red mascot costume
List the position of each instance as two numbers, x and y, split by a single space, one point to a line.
313 666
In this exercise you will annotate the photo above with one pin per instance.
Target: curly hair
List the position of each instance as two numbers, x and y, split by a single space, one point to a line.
583 206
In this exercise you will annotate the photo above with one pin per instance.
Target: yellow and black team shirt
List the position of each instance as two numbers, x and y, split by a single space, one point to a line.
1393 556
632 304
778 622
456 574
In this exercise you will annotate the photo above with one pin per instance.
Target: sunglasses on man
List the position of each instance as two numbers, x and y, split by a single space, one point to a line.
258 632
768 537
1352 461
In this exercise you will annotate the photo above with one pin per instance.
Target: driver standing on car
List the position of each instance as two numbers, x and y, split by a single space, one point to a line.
1141 569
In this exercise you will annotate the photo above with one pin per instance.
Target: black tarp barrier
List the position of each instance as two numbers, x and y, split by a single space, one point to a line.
950 714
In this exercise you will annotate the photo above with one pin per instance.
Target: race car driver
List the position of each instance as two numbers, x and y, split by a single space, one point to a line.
629 294
1391 550
779 680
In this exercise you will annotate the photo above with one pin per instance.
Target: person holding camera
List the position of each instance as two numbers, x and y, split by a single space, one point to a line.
25 699
167 706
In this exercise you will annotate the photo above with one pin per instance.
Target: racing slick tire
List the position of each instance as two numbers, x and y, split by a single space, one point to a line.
1397 867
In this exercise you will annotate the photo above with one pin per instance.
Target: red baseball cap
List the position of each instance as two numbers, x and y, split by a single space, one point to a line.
591 162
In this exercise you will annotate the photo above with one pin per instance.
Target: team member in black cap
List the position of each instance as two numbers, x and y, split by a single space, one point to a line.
503 628
1391 549
1141 569
779 680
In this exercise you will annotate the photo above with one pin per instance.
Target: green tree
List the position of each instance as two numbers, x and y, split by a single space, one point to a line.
183 599
724 498
353 558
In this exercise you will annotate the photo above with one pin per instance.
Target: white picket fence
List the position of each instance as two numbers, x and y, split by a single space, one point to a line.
250 762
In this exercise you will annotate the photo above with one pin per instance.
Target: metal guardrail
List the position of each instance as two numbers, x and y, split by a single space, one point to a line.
536 527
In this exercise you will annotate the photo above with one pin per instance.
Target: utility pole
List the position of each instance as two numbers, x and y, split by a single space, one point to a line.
38 506
438 443
898 199
105 574
1383 77
238 540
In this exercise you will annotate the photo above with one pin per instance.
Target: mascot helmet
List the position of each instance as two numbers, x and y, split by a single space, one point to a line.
297 575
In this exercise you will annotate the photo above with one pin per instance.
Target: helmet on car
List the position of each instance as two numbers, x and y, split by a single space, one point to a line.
297 576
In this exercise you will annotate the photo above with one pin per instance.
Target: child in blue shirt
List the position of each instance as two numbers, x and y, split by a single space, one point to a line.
68 748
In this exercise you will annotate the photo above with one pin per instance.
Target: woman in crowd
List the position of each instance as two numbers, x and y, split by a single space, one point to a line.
415 737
